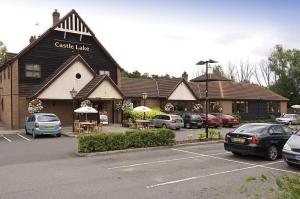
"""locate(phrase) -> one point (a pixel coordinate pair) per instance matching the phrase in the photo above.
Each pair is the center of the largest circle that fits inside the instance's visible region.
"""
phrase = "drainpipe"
(11, 97)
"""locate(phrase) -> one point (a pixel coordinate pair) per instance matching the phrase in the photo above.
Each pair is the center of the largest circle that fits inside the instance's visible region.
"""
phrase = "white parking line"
(6, 138)
(155, 162)
(162, 161)
(224, 172)
(23, 137)
(211, 156)
(197, 177)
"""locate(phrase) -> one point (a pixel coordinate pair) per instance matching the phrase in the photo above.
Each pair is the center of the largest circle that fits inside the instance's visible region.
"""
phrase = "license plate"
(238, 140)
(49, 126)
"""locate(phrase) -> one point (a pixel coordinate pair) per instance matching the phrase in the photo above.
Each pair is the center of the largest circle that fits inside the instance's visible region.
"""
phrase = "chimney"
(185, 76)
(56, 16)
(32, 39)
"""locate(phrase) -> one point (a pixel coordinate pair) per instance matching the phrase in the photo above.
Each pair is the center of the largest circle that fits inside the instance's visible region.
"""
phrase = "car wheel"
(272, 153)
(236, 153)
(164, 126)
(33, 134)
(26, 132)
(188, 125)
(58, 135)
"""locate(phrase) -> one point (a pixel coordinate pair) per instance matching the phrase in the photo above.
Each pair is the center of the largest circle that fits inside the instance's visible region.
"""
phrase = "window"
(274, 107)
(239, 107)
(104, 72)
(179, 106)
(214, 106)
(276, 130)
(78, 76)
(136, 102)
(33, 70)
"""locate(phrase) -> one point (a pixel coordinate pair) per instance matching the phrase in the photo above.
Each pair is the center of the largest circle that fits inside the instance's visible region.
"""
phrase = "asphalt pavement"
(47, 167)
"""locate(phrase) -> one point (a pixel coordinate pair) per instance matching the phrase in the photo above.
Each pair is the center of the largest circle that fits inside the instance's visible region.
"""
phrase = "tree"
(232, 72)
(218, 70)
(246, 72)
(2, 53)
(286, 66)
(263, 74)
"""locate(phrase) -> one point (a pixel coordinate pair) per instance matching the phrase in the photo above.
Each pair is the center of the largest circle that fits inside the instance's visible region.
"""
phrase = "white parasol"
(86, 110)
(295, 106)
(143, 109)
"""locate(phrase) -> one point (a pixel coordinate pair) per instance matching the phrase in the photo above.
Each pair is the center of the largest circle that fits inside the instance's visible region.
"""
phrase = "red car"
(211, 120)
(226, 120)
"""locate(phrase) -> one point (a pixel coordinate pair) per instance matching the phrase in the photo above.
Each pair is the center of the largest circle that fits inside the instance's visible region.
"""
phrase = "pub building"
(68, 58)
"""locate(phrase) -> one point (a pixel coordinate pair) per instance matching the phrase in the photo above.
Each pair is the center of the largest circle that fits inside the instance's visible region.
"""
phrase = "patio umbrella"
(142, 109)
(296, 106)
(86, 110)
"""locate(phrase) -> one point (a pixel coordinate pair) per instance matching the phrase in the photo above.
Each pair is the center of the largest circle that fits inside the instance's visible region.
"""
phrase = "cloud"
(233, 37)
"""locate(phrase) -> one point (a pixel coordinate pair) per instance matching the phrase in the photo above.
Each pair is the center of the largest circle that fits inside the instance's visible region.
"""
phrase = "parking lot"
(48, 167)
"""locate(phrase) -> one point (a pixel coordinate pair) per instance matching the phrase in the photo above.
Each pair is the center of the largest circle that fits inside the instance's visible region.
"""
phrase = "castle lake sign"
(71, 46)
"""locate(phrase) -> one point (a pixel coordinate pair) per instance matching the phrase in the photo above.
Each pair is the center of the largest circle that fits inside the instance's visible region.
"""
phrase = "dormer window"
(33, 70)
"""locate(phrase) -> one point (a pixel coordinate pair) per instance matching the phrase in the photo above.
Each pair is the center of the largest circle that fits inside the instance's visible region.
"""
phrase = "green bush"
(97, 142)
(139, 115)
(287, 187)
(212, 134)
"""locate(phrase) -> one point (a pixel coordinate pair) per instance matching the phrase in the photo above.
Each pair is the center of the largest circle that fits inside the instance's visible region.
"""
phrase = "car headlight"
(287, 147)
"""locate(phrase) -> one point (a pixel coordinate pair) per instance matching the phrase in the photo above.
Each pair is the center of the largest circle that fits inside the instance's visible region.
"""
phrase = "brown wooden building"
(69, 57)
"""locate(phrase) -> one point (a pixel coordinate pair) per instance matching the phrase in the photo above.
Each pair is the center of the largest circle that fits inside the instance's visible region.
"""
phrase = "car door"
(27, 124)
(154, 120)
(277, 136)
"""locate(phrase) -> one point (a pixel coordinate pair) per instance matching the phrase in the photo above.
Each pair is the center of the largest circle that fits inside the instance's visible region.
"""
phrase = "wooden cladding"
(73, 24)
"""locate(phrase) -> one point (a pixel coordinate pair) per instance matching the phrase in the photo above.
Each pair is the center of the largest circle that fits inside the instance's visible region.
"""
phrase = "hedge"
(97, 142)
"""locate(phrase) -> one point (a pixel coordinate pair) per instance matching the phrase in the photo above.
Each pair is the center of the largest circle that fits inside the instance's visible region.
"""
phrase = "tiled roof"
(167, 86)
(234, 91)
(211, 77)
(134, 87)
(90, 86)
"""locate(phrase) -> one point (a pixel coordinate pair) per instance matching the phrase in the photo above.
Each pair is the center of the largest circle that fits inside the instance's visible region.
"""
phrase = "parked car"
(291, 150)
(43, 124)
(288, 119)
(191, 120)
(226, 120)
(167, 121)
(258, 139)
(211, 120)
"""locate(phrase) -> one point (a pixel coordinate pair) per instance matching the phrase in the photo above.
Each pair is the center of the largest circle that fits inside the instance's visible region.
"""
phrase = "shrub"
(139, 115)
(287, 187)
(212, 134)
(97, 142)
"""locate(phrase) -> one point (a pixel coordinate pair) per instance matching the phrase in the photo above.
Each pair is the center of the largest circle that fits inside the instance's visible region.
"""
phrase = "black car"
(259, 139)
(291, 150)
(191, 120)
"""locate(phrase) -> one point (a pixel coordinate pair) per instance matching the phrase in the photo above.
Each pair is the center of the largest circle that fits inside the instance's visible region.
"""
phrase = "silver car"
(288, 119)
(43, 124)
(167, 121)
(291, 150)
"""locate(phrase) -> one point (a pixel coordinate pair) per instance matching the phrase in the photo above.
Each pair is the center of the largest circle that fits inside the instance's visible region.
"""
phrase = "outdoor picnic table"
(142, 123)
(88, 125)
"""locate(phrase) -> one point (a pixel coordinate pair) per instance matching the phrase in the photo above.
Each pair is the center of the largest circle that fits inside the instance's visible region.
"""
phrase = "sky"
(166, 36)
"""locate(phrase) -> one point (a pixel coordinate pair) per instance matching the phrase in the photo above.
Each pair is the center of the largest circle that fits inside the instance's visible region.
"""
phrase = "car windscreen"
(176, 117)
(195, 116)
(288, 116)
(47, 118)
(248, 128)
(228, 117)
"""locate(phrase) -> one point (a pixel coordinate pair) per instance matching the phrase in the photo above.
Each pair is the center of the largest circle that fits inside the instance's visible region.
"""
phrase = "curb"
(103, 153)
(68, 134)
